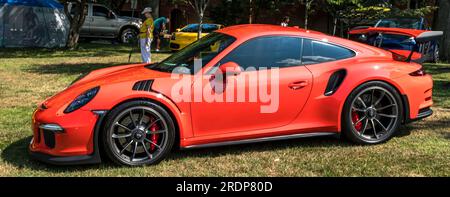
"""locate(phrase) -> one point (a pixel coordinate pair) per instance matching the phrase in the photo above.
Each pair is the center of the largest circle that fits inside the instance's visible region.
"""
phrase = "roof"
(241, 31)
(33, 3)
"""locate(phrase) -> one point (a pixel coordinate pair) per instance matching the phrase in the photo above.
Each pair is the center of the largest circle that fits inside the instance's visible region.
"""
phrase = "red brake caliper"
(154, 137)
(355, 118)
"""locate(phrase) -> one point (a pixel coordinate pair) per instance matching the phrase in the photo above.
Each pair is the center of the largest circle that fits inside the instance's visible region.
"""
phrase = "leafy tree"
(442, 23)
(199, 7)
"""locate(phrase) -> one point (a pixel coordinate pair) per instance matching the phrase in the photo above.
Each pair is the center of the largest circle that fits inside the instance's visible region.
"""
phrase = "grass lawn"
(29, 76)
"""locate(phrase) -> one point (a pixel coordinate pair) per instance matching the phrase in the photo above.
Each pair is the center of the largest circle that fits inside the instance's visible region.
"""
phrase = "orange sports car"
(241, 84)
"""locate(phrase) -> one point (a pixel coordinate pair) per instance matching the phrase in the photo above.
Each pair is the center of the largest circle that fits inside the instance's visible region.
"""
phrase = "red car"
(289, 82)
(399, 35)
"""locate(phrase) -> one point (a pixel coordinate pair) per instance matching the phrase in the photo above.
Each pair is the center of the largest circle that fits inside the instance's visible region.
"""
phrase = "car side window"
(100, 11)
(267, 52)
(315, 52)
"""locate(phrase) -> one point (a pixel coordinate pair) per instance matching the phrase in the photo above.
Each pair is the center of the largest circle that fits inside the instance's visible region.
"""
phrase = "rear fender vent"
(335, 81)
(145, 85)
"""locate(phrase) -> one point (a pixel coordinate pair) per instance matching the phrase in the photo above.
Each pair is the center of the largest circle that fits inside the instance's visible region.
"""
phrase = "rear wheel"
(436, 54)
(372, 113)
(138, 133)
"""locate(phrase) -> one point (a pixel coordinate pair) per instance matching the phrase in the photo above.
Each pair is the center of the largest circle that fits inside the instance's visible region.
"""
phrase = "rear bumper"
(423, 114)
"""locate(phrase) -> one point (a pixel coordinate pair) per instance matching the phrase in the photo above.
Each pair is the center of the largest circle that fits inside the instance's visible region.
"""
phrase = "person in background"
(285, 21)
(146, 35)
(160, 28)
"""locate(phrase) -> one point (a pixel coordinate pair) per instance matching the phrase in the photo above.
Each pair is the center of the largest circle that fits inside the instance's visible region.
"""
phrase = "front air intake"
(144, 85)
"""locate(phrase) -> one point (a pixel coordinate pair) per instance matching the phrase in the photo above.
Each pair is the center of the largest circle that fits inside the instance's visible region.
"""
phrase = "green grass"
(29, 76)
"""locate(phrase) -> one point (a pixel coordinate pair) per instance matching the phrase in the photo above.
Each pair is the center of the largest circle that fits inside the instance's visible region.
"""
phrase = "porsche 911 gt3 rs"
(318, 85)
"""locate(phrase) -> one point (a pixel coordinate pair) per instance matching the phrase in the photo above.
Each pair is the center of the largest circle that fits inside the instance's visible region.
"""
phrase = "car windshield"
(201, 52)
(405, 23)
(206, 28)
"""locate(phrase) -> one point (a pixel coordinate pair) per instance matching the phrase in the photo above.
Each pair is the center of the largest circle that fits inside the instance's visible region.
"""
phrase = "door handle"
(298, 84)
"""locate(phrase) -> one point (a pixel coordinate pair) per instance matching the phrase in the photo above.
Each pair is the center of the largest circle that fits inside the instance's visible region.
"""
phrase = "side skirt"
(263, 139)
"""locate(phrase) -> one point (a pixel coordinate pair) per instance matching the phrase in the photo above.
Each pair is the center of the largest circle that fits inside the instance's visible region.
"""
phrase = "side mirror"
(230, 69)
(219, 79)
(111, 15)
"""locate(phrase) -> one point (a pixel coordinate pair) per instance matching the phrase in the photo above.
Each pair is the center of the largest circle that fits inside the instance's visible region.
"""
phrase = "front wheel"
(127, 35)
(372, 113)
(138, 133)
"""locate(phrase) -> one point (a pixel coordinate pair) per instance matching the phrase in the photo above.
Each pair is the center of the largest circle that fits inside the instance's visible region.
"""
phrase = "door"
(270, 91)
(103, 22)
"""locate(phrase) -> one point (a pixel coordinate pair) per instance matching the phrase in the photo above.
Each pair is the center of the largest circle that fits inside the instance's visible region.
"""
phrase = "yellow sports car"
(188, 35)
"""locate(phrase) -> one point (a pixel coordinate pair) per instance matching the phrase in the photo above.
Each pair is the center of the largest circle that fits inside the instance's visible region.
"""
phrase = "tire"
(127, 34)
(436, 54)
(143, 138)
(372, 105)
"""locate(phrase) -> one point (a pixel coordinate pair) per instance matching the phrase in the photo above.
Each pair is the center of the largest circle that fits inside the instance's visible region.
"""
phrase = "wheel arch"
(171, 108)
(126, 27)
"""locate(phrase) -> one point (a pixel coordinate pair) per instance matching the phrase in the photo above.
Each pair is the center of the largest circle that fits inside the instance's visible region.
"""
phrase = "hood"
(119, 74)
(188, 35)
(129, 18)
(113, 75)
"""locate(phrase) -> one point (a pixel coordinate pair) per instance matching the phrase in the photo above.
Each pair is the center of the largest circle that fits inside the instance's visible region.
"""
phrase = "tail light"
(418, 73)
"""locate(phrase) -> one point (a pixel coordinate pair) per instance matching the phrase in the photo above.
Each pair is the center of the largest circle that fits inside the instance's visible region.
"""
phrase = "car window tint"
(100, 11)
(315, 52)
(268, 52)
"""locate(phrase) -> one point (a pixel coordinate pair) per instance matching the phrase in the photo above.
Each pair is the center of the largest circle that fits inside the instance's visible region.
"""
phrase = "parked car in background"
(188, 35)
(102, 22)
(395, 34)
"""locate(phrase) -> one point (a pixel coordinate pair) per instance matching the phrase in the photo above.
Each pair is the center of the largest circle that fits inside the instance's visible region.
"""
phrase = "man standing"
(160, 27)
(146, 35)
(285, 21)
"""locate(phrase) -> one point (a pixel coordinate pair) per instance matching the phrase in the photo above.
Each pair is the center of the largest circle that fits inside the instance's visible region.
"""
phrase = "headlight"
(82, 100)
(79, 78)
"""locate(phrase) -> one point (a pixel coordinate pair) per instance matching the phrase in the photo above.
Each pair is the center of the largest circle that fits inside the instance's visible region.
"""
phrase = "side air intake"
(334, 82)
(144, 85)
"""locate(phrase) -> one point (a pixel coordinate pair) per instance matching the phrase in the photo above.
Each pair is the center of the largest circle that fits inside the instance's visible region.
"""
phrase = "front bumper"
(66, 141)
(65, 160)
(176, 45)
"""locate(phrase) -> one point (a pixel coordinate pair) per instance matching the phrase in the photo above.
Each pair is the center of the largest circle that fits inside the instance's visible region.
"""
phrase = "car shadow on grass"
(83, 50)
(16, 153)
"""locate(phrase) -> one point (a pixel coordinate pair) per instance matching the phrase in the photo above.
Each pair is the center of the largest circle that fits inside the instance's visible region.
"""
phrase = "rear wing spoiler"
(429, 36)
(420, 36)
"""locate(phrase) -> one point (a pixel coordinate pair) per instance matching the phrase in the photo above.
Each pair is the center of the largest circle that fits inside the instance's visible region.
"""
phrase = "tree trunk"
(200, 23)
(76, 21)
(306, 15)
(442, 23)
(250, 16)
(334, 25)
